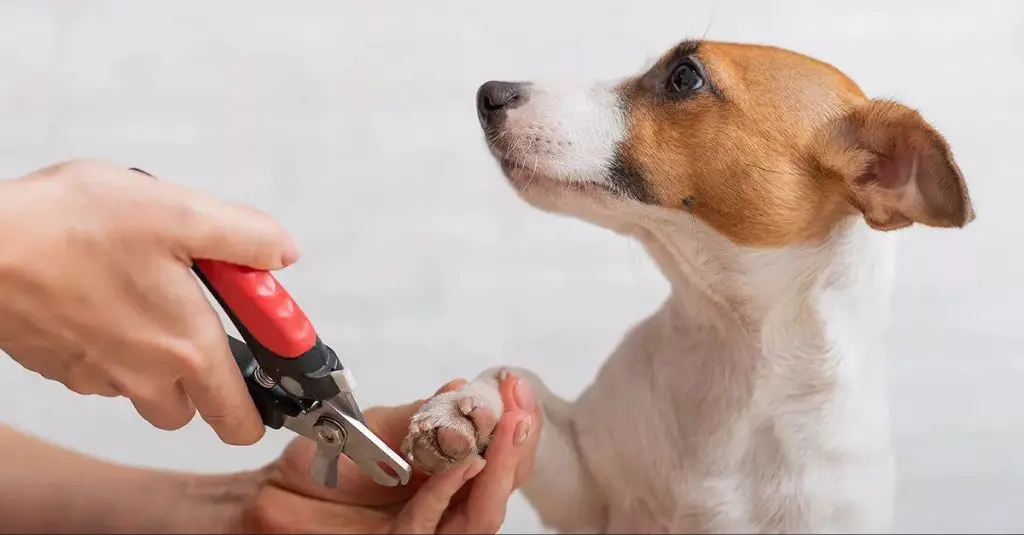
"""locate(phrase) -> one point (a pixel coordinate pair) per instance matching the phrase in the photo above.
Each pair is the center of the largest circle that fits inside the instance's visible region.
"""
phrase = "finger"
(202, 226)
(488, 499)
(517, 392)
(454, 384)
(167, 408)
(215, 385)
(424, 511)
(208, 228)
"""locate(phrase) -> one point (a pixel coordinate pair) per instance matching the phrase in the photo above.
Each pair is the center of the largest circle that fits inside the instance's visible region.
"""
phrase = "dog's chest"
(803, 468)
(776, 463)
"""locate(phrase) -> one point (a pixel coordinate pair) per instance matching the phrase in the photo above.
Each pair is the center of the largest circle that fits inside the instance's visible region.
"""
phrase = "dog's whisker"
(534, 173)
(711, 19)
(500, 135)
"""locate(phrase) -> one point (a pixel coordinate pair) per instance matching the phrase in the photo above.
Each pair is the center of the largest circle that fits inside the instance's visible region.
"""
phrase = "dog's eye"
(685, 79)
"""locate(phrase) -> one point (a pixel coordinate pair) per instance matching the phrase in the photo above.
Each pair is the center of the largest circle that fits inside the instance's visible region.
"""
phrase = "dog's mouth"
(518, 167)
(520, 174)
(524, 177)
(513, 166)
(527, 172)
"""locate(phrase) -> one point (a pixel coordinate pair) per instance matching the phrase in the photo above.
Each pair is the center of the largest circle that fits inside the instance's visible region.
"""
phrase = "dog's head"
(766, 147)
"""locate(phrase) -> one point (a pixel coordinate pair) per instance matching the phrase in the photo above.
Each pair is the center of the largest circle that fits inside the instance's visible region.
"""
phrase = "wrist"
(140, 500)
(49, 489)
(204, 503)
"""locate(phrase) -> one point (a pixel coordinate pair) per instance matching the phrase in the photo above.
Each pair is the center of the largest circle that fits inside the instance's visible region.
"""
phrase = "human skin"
(99, 294)
(49, 489)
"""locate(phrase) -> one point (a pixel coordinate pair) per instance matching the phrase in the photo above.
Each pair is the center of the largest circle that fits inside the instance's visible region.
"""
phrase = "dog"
(766, 187)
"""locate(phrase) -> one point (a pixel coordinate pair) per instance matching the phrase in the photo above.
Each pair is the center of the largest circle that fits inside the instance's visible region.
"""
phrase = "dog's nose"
(493, 99)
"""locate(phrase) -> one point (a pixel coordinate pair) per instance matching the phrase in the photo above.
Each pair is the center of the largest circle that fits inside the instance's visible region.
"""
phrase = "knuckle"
(232, 419)
(223, 415)
(230, 431)
(80, 172)
(188, 359)
(69, 168)
(175, 418)
(142, 390)
(139, 390)
(186, 220)
(87, 386)
(200, 357)
(163, 411)
(79, 387)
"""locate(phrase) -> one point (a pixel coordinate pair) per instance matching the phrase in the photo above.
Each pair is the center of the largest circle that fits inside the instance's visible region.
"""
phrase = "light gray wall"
(353, 122)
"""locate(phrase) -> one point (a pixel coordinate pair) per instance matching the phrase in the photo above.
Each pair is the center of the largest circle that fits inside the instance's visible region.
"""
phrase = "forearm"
(48, 489)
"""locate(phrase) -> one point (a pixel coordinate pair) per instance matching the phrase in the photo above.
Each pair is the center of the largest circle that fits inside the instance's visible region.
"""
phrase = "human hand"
(291, 502)
(98, 292)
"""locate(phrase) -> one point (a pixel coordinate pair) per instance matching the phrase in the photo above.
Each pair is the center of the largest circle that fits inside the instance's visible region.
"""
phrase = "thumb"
(424, 511)
(233, 233)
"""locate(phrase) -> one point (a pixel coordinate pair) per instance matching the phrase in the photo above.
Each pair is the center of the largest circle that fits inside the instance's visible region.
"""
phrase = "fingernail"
(524, 396)
(474, 469)
(522, 431)
(291, 253)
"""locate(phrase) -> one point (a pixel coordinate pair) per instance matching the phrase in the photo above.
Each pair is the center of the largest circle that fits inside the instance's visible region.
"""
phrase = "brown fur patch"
(778, 147)
(898, 168)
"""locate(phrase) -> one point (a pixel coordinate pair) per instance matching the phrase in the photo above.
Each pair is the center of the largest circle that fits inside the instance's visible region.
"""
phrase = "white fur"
(578, 142)
(751, 401)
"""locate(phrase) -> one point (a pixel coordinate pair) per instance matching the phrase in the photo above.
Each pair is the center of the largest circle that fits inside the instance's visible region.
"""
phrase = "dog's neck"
(797, 305)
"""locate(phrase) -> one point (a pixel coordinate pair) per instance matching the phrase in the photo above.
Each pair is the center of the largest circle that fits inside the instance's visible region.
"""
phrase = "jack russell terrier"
(765, 186)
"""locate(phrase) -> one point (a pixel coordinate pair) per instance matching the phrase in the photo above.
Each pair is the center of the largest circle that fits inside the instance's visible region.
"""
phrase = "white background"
(354, 123)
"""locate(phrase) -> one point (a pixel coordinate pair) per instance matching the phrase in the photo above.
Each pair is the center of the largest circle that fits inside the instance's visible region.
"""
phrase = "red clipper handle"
(276, 332)
(263, 306)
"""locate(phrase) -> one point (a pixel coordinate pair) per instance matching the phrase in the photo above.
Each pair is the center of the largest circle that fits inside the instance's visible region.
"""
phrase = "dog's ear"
(897, 168)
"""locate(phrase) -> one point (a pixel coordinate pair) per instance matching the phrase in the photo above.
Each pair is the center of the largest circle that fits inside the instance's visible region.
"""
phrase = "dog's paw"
(452, 426)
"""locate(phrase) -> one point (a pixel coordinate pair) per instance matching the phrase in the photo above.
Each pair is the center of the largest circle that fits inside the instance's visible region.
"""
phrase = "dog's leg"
(452, 425)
